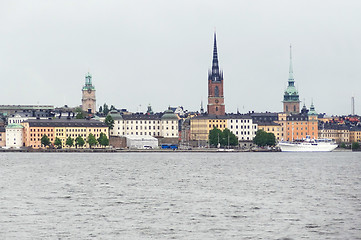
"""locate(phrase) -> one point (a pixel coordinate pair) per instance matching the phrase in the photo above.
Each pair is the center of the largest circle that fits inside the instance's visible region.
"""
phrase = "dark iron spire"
(215, 75)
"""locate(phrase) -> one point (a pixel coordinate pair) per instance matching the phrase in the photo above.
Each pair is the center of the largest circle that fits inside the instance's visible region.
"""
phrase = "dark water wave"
(180, 196)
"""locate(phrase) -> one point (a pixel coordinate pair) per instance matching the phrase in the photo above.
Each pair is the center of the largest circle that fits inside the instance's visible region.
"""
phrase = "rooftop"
(65, 123)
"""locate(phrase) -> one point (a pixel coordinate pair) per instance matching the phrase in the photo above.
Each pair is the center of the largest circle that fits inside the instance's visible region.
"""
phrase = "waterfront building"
(2, 137)
(291, 101)
(272, 127)
(355, 134)
(338, 133)
(298, 126)
(240, 125)
(215, 86)
(88, 96)
(14, 135)
(61, 128)
(156, 125)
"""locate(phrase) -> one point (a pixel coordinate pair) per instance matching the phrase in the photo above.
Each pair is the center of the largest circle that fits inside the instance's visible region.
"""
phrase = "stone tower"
(215, 86)
(88, 100)
(291, 100)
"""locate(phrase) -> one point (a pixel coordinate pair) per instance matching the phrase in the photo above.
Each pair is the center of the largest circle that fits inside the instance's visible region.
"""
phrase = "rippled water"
(180, 196)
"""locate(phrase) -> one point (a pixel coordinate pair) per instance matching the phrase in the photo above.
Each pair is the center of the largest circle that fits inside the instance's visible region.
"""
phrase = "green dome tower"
(291, 99)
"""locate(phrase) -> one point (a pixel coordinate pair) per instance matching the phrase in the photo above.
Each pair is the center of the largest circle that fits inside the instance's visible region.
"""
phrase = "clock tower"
(88, 100)
(215, 86)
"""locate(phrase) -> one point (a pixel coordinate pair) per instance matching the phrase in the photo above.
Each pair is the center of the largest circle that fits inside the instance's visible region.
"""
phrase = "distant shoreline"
(129, 151)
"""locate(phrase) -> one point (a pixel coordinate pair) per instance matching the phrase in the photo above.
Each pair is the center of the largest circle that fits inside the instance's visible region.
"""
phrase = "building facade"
(355, 134)
(215, 86)
(14, 136)
(62, 129)
(156, 125)
(2, 137)
(298, 126)
(88, 96)
(240, 125)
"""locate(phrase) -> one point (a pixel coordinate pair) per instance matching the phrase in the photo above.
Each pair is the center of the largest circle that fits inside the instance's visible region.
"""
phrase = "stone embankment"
(112, 150)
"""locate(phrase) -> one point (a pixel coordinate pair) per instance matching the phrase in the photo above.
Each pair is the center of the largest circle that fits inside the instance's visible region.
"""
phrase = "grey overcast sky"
(158, 52)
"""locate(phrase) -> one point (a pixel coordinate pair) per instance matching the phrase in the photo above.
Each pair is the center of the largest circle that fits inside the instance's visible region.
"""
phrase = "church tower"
(215, 86)
(291, 100)
(88, 100)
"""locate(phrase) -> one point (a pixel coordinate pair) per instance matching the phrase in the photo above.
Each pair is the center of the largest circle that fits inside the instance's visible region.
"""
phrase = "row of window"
(39, 139)
(245, 127)
(241, 121)
(40, 135)
(302, 128)
(148, 122)
(313, 123)
(41, 130)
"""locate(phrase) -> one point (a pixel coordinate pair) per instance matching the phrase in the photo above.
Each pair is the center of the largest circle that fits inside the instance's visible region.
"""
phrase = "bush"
(355, 146)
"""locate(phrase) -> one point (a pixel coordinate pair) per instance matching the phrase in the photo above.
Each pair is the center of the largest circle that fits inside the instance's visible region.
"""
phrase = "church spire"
(215, 74)
(291, 80)
(215, 54)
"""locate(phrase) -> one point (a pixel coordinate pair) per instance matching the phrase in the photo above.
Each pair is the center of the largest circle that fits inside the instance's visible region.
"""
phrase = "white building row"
(155, 125)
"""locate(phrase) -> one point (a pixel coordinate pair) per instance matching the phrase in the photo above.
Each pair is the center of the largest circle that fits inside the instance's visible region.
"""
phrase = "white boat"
(308, 145)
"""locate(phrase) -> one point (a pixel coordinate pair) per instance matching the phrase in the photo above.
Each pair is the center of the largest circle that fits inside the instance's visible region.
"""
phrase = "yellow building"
(355, 134)
(339, 133)
(272, 127)
(201, 125)
(62, 129)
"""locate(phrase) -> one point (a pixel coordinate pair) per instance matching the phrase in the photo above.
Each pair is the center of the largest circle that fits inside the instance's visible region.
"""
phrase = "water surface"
(180, 195)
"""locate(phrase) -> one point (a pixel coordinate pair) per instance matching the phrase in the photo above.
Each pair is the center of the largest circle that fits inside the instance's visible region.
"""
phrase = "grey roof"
(33, 113)
(228, 116)
(65, 123)
(169, 115)
(333, 126)
(265, 114)
(23, 107)
(2, 129)
(142, 117)
(115, 115)
(269, 123)
(297, 117)
(355, 128)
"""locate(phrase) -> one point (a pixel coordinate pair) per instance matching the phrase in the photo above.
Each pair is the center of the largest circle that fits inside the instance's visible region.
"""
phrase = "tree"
(91, 140)
(343, 145)
(45, 140)
(100, 109)
(79, 141)
(263, 138)
(79, 113)
(103, 140)
(105, 109)
(112, 108)
(229, 138)
(271, 139)
(58, 142)
(355, 146)
(215, 136)
(109, 121)
(69, 142)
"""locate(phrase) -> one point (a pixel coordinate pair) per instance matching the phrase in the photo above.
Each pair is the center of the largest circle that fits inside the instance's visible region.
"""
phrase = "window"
(216, 92)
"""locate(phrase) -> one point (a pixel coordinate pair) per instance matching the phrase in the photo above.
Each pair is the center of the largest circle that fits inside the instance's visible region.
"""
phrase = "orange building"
(2, 137)
(299, 126)
(61, 128)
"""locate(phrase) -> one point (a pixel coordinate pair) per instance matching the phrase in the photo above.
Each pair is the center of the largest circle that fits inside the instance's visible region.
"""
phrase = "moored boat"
(308, 145)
